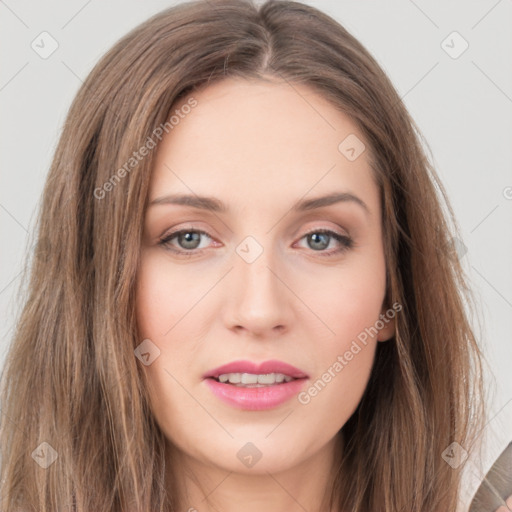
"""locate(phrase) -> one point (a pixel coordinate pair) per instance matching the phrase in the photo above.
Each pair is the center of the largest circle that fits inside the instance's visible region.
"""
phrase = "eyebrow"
(214, 205)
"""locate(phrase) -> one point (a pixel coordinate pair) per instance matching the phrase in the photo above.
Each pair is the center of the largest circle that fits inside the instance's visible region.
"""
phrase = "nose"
(259, 302)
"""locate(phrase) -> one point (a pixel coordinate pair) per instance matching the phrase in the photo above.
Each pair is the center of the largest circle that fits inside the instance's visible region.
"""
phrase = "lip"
(256, 398)
(271, 366)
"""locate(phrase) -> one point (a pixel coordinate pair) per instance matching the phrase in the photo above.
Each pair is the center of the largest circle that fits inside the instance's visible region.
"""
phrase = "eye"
(186, 240)
(320, 240)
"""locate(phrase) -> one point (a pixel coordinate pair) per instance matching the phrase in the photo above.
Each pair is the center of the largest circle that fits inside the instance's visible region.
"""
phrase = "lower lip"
(256, 399)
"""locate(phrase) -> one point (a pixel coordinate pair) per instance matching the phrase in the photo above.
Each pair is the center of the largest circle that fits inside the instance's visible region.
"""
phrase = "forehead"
(263, 140)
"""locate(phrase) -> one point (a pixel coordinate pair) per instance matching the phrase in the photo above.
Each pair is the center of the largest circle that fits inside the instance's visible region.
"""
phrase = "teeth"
(250, 378)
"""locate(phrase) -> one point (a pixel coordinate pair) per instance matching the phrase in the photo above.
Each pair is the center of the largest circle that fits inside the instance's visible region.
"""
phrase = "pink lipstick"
(255, 387)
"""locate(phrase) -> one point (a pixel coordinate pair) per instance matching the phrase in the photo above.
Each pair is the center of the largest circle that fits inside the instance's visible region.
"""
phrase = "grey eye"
(318, 241)
(189, 239)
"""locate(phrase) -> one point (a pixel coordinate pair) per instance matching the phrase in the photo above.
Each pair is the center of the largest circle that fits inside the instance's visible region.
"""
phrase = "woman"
(250, 294)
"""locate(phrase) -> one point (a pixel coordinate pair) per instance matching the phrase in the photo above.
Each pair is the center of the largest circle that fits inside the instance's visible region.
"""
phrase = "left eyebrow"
(215, 205)
(335, 197)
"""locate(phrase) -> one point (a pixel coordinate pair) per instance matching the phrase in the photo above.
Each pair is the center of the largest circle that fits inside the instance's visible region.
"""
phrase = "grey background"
(462, 105)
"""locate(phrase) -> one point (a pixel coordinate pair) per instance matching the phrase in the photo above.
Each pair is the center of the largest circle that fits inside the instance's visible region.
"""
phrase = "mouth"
(247, 373)
(251, 380)
(252, 386)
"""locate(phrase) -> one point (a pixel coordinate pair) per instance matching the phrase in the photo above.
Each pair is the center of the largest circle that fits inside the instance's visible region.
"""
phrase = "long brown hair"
(71, 379)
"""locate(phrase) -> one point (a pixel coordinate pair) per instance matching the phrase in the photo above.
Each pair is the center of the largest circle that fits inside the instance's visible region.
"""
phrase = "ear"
(386, 325)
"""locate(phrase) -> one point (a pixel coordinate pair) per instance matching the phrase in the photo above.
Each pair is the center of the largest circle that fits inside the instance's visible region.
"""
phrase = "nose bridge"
(259, 300)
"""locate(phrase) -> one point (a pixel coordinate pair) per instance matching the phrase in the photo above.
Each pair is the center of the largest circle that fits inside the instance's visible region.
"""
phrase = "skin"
(259, 148)
(508, 506)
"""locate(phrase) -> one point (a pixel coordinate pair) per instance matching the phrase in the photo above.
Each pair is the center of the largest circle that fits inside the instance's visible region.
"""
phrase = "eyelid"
(325, 230)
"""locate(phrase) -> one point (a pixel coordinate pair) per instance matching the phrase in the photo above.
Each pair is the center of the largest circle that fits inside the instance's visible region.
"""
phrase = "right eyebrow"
(203, 202)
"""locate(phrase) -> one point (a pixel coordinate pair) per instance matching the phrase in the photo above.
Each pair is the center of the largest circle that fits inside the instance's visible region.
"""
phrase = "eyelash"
(345, 241)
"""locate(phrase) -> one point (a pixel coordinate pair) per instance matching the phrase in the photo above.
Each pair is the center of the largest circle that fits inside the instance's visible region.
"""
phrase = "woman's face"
(279, 262)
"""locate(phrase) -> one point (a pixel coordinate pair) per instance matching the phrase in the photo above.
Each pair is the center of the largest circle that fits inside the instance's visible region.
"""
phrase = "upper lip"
(272, 366)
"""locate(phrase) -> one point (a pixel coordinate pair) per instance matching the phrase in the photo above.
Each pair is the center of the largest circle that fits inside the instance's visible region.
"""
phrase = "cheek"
(349, 301)
(163, 297)
(168, 312)
(344, 360)
(157, 311)
(333, 394)
(349, 305)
